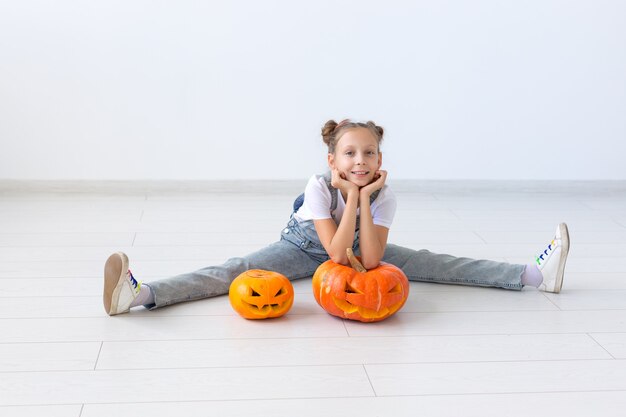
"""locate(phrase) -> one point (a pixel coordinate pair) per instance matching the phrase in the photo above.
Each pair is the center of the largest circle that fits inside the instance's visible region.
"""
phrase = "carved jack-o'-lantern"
(357, 294)
(259, 294)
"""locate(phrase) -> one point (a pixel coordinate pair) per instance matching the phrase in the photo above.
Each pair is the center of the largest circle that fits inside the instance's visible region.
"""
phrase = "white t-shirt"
(317, 201)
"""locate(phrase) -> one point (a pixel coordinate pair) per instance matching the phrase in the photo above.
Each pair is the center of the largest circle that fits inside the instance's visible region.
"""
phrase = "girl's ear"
(331, 161)
(380, 159)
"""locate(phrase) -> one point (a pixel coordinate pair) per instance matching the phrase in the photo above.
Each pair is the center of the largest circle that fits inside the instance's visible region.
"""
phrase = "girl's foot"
(120, 287)
(551, 262)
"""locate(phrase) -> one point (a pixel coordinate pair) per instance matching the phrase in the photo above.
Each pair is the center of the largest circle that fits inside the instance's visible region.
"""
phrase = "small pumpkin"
(260, 294)
(358, 294)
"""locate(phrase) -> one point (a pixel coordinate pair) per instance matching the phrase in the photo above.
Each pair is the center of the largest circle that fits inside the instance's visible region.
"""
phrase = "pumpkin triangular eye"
(280, 292)
(254, 293)
(351, 290)
(396, 289)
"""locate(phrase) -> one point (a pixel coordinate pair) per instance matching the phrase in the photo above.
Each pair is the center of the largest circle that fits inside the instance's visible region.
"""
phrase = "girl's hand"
(377, 183)
(338, 180)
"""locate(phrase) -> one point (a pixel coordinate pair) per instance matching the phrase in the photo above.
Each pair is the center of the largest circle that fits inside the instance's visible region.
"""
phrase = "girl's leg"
(122, 291)
(422, 265)
(283, 257)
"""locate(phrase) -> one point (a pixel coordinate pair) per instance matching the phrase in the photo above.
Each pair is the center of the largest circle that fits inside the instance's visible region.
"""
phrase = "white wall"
(138, 89)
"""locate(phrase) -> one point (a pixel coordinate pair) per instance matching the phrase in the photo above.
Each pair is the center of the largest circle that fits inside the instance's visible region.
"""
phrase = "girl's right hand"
(338, 180)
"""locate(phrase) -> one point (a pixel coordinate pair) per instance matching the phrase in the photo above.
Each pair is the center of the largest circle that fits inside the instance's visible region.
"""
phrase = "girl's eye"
(349, 153)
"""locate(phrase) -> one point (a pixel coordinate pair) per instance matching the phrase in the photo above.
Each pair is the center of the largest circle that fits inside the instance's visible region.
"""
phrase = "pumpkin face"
(365, 296)
(259, 294)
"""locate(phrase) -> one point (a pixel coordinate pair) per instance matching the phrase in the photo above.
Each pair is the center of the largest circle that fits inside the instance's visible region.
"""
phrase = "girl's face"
(356, 156)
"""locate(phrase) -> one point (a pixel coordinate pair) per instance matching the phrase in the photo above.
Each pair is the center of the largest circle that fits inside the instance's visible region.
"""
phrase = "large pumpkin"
(259, 294)
(357, 294)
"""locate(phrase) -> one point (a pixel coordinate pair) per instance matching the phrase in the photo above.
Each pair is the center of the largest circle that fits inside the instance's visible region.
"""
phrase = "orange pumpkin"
(357, 294)
(259, 294)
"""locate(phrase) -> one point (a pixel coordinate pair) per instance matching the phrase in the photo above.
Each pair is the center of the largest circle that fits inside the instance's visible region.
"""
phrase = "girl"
(349, 207)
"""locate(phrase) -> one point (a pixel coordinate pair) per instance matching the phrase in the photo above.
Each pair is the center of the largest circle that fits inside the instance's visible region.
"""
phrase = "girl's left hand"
(377, 183)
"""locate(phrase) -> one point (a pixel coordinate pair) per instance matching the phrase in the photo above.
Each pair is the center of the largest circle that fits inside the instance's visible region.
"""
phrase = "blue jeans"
(299, 252)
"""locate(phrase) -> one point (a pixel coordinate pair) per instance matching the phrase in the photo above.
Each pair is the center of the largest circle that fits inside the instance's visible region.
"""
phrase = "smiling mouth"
(360, 172)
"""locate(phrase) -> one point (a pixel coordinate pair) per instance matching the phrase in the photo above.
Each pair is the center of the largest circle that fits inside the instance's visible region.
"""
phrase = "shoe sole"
(115, 270)
(564, 250)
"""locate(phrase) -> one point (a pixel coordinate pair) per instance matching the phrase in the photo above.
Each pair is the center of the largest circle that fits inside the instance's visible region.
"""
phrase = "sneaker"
(551, 262)
(120, 287)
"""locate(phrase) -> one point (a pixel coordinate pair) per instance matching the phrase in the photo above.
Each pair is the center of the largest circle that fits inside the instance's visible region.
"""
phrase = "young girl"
(349, 207)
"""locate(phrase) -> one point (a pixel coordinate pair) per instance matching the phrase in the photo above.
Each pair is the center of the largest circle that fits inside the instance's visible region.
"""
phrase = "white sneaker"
(120, 287)
(551, 262)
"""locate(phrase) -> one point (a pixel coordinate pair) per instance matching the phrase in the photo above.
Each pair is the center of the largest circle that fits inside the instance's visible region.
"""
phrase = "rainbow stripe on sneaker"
(542, 257)
(136, 284)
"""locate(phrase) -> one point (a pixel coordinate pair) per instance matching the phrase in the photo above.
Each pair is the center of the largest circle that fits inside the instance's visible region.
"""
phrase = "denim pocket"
(307, 230)
(305, 237)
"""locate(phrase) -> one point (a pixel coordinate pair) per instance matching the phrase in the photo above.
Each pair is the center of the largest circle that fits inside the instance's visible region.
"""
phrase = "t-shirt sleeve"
(384, 208)
(317, 199)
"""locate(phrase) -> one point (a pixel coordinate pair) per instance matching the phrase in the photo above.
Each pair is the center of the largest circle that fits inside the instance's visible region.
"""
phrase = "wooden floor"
(451, 351)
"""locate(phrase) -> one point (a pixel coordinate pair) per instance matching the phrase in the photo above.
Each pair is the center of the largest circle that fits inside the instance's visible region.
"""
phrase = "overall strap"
(333, 190)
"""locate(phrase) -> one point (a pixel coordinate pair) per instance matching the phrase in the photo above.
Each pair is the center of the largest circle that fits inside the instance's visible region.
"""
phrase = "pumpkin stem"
(354, 261)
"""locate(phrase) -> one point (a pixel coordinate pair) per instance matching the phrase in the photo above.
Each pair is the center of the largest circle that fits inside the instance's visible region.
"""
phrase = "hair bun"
(379, 129)
(327, 131)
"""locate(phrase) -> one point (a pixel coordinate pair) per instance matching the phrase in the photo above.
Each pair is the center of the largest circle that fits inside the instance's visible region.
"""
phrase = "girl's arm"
(372, 238)
(336, 239)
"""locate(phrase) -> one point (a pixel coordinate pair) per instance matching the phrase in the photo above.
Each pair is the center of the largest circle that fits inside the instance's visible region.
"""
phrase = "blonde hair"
(332, 131)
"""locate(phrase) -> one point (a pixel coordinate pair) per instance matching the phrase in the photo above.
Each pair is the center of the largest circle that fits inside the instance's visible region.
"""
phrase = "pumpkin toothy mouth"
(366, 313)
(262, 309)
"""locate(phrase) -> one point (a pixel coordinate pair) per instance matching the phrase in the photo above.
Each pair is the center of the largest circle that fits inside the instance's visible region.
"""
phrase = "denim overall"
(299, 253)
